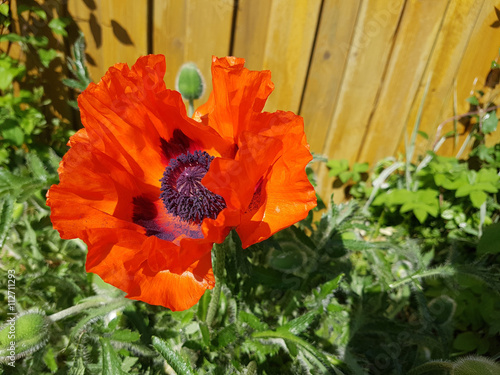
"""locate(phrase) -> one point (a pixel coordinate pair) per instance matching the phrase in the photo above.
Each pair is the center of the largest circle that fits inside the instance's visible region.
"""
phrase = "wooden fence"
(356, 70)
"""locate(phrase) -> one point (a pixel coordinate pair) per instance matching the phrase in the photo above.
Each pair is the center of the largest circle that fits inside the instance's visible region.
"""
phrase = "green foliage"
(340, 169)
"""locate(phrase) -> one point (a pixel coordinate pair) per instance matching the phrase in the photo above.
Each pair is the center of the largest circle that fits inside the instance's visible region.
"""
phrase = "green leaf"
(423, 134)
(337, 166)
(289, 258)
(36, 166)
(490, 122)
(294, 340)
(58, 25)
(467, 341)
(4, 9)
(49, 359)
(176, 361)
(477, 198)
(299, 324)
(111, 363)
(74, 84)
(13, 38)
(252, 321)
(38, 41)
(227, 335)
(34, 9)
(12, 132)
(328, 287)
(125, 335)
(46, 56)
(205, 333)
(6, 217)
(360, 167)
(473, 100)
(490, 240)
(9, 70)
(77, 368)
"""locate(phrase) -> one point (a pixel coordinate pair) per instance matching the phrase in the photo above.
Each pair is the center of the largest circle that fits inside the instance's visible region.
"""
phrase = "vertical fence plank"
(192, 30)
(328, 64)
(481, 50)
(407, 64)
(459, 21)
(367, 60)
(283, 43)
(115, 30)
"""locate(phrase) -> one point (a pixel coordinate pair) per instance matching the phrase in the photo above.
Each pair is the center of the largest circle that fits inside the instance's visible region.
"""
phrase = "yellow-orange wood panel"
(192, 30)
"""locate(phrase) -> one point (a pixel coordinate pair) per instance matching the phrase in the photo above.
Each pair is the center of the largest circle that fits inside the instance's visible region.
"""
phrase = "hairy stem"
(219, 266)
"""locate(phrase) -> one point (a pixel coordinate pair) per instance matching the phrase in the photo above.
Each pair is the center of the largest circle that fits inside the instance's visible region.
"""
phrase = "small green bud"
(22, 335)
(476, 366)
(190, 82)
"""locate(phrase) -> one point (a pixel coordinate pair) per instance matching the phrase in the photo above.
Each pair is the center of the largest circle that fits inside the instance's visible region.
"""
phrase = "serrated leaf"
(125, 335)
(74, 84)
(77, 368)
(307, 348)
(299, 324)
(128, 363)
(328, 287)
(96, 314)
(176, 361)
(36, 166)
(6, 217)
(252, 321)
(49, 359)
(111, 363)
(227, 335)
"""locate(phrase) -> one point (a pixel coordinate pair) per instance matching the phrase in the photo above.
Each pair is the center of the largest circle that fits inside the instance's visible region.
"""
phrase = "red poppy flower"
(150, 190)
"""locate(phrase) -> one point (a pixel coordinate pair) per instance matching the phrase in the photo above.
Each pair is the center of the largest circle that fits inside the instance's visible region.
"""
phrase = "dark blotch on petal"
(175, 146)
(144, 214)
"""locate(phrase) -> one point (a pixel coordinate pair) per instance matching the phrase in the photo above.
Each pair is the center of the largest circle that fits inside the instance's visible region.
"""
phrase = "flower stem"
(213, 306)
(191, 108)
(73, 310)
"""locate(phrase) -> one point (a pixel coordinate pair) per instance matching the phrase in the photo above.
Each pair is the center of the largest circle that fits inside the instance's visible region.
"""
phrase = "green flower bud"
(22, 335)
(190, 82)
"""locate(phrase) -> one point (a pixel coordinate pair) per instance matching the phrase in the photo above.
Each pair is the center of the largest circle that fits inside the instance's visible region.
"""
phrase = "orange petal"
(286, 195)
(238, 95)
(121, 258)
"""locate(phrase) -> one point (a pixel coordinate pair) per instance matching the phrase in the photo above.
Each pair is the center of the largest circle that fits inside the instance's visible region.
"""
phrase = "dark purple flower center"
(183, 194)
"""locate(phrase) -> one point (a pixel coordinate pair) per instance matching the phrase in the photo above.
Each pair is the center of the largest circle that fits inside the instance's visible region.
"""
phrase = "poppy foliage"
(150, 190)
